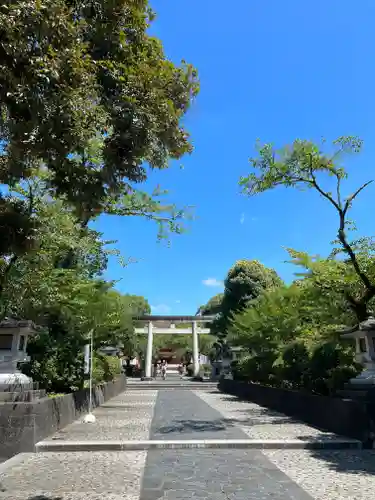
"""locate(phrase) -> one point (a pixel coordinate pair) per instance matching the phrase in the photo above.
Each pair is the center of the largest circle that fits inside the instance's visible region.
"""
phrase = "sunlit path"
(179, 419)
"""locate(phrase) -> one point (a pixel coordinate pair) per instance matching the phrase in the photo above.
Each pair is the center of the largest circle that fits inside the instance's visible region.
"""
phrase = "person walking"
(164, 369)
(181, 370)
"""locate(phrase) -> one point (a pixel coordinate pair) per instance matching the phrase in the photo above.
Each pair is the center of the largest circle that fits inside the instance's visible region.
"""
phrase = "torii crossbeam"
(153, 326)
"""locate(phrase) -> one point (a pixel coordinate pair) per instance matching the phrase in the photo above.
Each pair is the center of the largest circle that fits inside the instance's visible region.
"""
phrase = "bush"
(331, 365)
(56, 357)
(340, 375)
(206, 369)
(293, 365)
(105, 368)
(236, 372)
(258, 368)
(323, 371)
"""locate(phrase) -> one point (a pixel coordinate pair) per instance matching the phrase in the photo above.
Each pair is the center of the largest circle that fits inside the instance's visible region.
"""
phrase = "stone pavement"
(176, 474)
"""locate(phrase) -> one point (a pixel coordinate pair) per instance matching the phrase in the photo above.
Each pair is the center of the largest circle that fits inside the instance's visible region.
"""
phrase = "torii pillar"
(150, 341)
(196, 366)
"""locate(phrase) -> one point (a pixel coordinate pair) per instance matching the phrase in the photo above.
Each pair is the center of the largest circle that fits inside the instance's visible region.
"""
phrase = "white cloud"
(160, 309)
(242, 218)
(254, 219)
(212, 282)
(178, 301)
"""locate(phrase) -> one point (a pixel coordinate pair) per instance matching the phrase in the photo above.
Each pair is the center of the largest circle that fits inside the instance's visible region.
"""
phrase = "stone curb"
(146, 386)
(169, 388)
(11, 462)
(254, 444)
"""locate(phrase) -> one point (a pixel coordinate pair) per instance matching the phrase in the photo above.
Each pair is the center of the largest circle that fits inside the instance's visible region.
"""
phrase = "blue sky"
(274, 70)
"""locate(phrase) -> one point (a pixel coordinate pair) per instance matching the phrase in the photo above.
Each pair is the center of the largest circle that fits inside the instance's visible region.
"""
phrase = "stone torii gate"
(150, 329)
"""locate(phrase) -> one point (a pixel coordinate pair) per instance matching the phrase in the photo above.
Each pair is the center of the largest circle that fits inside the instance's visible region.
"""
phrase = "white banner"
(86, 351)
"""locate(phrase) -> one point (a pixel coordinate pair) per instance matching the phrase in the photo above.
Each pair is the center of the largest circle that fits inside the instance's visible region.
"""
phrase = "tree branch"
(347, 247)
(320, 190)
(370, 288)
(338, 190)
(353, 196)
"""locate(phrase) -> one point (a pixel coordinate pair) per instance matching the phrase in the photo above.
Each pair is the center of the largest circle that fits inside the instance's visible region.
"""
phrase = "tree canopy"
(302, 165)
(245, 280)
(89, 106)
(88, 94)
(212, 307)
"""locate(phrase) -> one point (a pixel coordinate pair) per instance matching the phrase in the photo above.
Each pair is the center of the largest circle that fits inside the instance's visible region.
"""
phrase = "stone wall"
(346, 417)
(24, 423)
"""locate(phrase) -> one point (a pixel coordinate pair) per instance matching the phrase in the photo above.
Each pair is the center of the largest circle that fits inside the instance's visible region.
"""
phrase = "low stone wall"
(22, 395)
(24, 423)
(346, 417)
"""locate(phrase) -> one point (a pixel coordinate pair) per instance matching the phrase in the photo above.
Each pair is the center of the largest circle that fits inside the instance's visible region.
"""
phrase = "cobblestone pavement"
(186, 416)
(215, 475)
(179, 474)
(207, 474)
(329, 475)
(261, 423)
(75, 476)
(125, 417)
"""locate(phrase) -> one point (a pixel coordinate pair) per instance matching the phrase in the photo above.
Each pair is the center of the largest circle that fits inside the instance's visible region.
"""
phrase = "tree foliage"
(73, 70)
(89, 105)
(302, 165)
(212, 307)
(245, 281)
(57, 356)
(88, 94)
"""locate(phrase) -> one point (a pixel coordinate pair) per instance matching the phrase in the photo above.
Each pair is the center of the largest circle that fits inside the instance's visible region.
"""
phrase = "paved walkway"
(185, 473)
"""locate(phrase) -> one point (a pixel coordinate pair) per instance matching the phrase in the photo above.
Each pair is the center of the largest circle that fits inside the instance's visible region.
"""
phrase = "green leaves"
(245, 281)
(302, 165)
(213, 306)
(88, 94)
(296, 165)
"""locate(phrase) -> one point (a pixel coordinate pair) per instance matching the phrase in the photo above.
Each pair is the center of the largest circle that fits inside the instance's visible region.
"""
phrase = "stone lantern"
(14, 336)
(364, 336)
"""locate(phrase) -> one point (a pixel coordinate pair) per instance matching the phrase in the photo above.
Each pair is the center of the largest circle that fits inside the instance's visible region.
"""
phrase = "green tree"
(272, 319)
(325, 285)
(63, 256)
(302, 165)
(212, 307)
(77, 72)
(245, 282)
(57, 356)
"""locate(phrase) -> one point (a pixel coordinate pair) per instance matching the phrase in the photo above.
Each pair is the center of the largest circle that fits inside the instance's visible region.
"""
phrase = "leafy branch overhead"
(302, 165)
(168, 217)
(88, 95)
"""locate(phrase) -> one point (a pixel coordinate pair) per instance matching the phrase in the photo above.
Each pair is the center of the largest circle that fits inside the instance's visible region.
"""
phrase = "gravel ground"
(329, 475)
(125, 417)
(75, 476)
(259, 422)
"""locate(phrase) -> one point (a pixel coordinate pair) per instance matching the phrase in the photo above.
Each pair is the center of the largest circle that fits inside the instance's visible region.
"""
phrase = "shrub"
(236, 372)
(293, 365)
(206, 369)
(258, 368)
(56, 357)
(331, 365)
(340, 375)
(105, 368)
(323, 371)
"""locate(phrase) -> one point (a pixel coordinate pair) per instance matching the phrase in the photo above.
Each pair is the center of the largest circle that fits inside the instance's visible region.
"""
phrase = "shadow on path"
(43, 497)
(190, 425)
(347, 461)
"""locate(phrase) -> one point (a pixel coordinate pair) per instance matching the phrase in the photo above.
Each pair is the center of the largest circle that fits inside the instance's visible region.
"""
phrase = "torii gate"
(171, 329)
